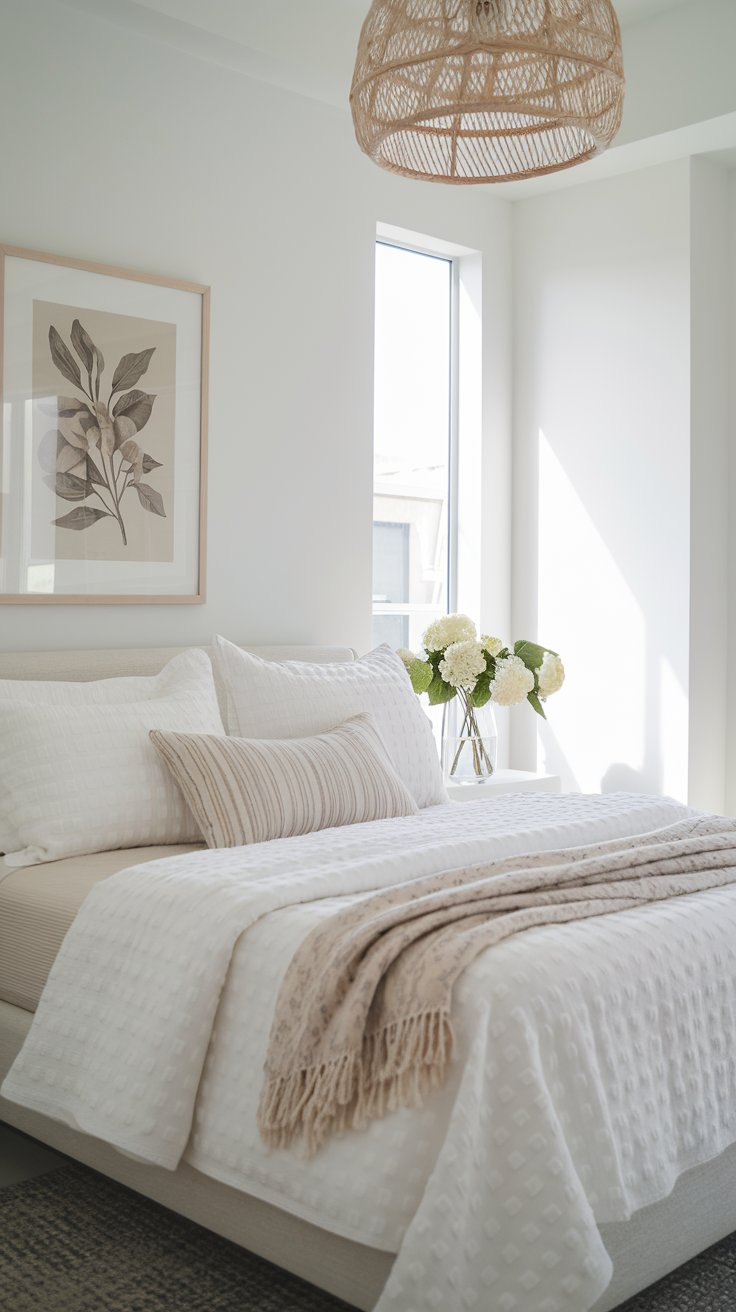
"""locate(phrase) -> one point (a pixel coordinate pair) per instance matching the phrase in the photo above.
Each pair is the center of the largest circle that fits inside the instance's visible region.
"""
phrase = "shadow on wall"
(622, 778)
(619, 777)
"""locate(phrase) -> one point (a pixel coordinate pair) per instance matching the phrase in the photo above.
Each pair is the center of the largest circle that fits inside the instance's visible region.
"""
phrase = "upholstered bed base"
(700, 1210)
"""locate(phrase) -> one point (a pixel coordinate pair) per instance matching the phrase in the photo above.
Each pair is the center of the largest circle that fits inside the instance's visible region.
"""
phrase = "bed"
(36, 908)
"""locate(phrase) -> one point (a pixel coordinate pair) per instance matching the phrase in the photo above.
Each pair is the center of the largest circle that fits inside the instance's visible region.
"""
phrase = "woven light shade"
(487, 90)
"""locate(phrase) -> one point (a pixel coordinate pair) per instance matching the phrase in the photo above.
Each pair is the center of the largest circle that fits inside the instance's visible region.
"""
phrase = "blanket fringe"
(398, 1066)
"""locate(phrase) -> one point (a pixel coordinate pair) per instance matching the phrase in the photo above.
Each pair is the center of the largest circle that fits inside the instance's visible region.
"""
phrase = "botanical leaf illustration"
(136, 407)
(131, 368)
(107, 435)
(93, 474)
(100, 367)
(69, 458)
(69, 486)
(63, 358)
(71, 429)
(150, 499)
(71, 405)
(123, 429)
(93, 452)
(131, 452)
(81, 517)
(83, 345)
(49, 448)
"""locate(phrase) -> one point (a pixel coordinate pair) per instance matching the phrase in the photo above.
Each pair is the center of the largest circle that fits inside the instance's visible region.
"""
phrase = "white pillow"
(56, 692)
(85, 778)
(295, 699)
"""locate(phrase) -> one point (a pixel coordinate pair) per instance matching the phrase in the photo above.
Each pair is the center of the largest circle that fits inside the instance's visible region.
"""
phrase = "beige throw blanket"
(363, 1023)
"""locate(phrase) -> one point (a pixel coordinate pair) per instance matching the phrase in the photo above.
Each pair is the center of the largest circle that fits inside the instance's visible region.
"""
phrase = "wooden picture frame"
(93, 509)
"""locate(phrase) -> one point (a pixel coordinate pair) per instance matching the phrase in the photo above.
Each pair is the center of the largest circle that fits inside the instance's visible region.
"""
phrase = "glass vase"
(469, 742)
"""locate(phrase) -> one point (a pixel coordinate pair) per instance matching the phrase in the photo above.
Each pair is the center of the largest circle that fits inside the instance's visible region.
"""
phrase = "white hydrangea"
(551, 674)
(492, 645)
(448, 629)
(512, 681)
(406, 656)
(462, 663)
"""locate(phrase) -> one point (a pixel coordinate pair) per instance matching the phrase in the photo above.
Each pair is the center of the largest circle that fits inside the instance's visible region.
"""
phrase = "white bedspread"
(595, 1061)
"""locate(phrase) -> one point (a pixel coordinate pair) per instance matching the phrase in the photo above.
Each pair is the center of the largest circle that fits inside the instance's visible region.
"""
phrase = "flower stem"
(470, 739)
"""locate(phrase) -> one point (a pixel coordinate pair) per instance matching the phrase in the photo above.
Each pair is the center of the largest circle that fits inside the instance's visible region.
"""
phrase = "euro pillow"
(53, 692)
(295, 699)
(245, 790)
(85, 778)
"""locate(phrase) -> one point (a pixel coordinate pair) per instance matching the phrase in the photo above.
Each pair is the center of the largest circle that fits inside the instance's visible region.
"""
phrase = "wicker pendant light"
(487, 90)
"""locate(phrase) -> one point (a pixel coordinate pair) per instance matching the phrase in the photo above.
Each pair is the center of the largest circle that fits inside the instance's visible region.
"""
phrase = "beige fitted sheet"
(39, 903)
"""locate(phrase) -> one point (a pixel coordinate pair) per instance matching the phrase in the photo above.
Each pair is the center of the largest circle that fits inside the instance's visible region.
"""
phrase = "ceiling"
(632, 11)
(305, 47)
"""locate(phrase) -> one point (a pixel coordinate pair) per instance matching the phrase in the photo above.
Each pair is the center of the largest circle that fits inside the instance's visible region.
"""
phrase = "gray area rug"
(73, 1241)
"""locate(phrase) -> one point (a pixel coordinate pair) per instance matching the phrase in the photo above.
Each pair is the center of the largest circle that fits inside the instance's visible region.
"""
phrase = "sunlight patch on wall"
(596, 736)
(673, 733)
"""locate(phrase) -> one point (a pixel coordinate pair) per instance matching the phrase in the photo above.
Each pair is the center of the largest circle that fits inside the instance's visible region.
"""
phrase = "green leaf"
(63, 358)
(150, 499)
(421, 675)
(68, 486)
(535, 702)
(482, 690)
(531, 653)
(135, 406)
(439, 691)
(131, 368)
(81, 517)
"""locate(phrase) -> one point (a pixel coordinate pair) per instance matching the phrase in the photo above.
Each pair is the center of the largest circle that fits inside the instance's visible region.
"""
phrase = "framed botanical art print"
(103, 444)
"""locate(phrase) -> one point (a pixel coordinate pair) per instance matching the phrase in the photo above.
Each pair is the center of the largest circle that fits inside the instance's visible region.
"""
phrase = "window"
(413, 515)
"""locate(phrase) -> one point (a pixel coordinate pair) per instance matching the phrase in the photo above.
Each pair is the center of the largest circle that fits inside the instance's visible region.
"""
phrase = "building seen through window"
(412, 429)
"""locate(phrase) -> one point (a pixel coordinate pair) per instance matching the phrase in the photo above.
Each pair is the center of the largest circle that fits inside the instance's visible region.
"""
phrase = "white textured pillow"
(295, 699)
(85, 778)
(95, 692)
(246, 790)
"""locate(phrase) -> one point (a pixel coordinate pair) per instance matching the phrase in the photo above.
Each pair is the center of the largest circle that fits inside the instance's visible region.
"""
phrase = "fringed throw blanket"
(363, 1021)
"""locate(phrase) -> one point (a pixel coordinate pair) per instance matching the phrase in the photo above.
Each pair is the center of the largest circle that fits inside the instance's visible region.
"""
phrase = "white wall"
(125, 151)
(730, 709)
(710, 332)
(602, 462)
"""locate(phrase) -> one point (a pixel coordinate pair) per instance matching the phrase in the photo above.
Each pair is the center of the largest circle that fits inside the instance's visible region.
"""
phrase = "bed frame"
(700, 1210)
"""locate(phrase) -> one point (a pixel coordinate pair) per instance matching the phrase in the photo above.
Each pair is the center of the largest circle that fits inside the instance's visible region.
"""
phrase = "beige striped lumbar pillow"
(248, 790)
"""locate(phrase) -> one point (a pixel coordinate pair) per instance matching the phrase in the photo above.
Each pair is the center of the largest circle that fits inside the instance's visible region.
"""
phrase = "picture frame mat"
(106, 287)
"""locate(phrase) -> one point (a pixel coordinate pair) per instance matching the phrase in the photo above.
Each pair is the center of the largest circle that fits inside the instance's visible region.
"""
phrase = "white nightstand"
(505, 781)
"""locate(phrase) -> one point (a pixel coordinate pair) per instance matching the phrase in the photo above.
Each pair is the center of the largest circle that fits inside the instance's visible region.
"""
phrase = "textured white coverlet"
(595, 1061)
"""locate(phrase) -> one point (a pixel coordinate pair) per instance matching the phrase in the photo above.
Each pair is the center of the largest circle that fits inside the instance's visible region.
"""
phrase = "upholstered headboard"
(82, 666)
